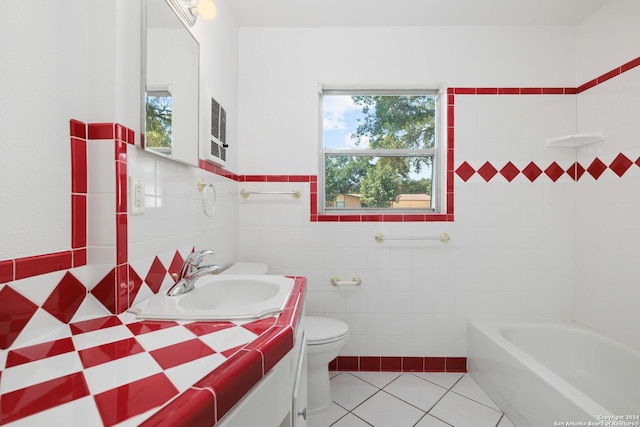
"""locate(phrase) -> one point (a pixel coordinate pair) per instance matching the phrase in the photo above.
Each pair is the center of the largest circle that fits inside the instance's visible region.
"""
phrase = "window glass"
(380, 150)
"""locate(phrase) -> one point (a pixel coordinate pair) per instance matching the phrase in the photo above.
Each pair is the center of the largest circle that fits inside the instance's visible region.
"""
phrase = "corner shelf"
(576, 140)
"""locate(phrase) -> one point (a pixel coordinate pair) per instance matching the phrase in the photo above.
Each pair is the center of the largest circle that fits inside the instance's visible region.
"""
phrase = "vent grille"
(218, 151)
(223, 127)
(215, 118)
(218, 143)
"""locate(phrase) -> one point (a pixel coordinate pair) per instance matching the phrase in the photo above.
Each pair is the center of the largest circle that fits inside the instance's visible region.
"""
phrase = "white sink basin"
(221, 298)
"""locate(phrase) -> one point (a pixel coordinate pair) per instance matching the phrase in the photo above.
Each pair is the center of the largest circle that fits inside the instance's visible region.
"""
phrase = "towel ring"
(202, 187)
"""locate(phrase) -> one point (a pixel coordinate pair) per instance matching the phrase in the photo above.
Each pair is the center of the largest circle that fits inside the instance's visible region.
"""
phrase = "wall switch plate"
(136, 195)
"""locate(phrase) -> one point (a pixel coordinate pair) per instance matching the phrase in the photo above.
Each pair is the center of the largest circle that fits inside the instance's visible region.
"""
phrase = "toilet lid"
(323, 329)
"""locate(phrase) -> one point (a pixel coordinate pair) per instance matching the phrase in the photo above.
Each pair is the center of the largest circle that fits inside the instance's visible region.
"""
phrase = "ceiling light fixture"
(205, 8)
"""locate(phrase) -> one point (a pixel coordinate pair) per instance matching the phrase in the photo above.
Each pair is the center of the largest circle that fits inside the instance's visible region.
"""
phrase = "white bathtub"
(555, 373)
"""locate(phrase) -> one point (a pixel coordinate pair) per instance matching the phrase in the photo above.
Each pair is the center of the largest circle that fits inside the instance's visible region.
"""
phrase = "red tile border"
(42, 264)
(194, 407)
(233, 379)
(398, 364)
(6, 271)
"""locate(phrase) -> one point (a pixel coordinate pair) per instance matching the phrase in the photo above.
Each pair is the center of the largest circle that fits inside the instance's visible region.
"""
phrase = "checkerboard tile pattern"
(114, 369)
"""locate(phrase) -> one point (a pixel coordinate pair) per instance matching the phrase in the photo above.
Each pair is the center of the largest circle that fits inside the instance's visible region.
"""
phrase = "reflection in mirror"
(159, 107)
(170, 78)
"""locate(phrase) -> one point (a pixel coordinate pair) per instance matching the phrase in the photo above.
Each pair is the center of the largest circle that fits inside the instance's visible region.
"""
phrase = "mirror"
(170, 82)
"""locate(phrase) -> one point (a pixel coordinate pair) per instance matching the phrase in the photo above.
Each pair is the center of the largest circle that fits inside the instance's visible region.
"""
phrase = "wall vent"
(218, 139)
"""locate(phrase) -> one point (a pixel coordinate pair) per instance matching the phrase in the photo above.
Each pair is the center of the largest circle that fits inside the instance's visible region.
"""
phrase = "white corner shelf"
(576, 140)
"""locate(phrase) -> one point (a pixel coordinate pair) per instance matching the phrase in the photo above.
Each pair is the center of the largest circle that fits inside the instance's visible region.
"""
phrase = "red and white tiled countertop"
(120, 370)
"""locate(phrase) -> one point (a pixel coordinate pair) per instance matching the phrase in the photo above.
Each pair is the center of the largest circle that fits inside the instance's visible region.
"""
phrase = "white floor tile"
(429, 421)
(328, 417)
(416, 391)
(462, 412)
(351, 421)
(469, 388)
(384, 410)
(378, 379)
(451, 399)
(505, 422)
(444, 379)
(349, 391)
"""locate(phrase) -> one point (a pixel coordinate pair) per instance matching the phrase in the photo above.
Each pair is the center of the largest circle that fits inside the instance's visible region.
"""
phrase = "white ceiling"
(374, 13)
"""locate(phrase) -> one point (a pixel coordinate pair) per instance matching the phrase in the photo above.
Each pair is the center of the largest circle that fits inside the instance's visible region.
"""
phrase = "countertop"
(118, 370)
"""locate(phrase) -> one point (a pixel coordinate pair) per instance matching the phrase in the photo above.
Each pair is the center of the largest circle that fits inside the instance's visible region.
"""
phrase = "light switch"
(136, 195)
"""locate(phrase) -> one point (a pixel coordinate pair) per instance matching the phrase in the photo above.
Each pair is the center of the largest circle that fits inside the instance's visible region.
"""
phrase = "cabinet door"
(299, 408)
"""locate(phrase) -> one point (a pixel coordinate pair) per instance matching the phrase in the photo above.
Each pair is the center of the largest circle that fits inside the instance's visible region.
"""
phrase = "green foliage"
(343, 175)
(380, 187)
(158, 124)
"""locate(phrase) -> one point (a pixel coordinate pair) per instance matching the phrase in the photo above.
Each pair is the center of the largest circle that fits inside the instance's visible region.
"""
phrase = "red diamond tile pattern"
(487, 171)
(532, 171)
(465, 171)
(509, 171)
(554, 171)
(575, 171)
(596, 168)
(15, 313)
(66, 298)
(105, 291)
(176, 264)
(135, 282)
(156, 275)
(620, 164)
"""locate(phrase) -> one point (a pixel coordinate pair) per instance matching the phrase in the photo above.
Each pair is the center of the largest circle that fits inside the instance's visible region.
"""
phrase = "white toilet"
(325, 339)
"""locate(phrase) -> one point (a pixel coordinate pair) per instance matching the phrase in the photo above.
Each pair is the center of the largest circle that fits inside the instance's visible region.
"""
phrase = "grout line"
(382, 389)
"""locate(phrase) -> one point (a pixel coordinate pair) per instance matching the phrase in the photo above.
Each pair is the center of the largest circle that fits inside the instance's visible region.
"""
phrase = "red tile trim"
(78, 221)
(42, 264)
(233, 379)
(399, 364)
(194, 407)
(6, 271)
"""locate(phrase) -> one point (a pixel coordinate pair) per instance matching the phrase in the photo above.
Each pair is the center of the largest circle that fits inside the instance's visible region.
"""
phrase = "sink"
(221, 298)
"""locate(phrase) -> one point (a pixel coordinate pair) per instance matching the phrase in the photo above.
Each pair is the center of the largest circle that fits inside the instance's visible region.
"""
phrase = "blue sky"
(339, 120)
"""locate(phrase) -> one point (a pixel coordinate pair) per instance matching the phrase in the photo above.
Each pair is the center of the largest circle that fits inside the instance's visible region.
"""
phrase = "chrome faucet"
(192, 271)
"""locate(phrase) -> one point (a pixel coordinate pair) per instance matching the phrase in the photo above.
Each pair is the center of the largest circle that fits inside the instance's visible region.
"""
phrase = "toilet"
(325, 339)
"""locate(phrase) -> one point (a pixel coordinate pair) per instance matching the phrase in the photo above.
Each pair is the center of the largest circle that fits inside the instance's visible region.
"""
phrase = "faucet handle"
(195, 258)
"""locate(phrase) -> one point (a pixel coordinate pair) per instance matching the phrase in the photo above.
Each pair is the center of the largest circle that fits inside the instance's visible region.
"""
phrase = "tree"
(158, 125)
(380, 187)
(396, 122)
(343, 175)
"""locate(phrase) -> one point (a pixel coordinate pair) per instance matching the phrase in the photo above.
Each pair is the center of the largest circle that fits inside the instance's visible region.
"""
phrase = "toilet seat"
(322, 330)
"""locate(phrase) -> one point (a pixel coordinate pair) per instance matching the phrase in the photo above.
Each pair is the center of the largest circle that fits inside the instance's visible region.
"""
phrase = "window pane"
(362, 182)
(379, 121)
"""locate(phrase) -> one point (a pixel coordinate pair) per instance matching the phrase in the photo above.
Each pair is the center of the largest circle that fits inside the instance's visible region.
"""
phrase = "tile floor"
(394, 399)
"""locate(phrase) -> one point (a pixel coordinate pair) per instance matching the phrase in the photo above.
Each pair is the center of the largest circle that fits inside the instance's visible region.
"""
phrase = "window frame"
(438, 181)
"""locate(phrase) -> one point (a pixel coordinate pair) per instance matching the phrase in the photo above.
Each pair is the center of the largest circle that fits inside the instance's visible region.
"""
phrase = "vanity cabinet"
(280, 398)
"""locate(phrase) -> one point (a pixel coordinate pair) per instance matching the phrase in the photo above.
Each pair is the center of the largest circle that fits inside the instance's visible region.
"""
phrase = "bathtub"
(555, 373)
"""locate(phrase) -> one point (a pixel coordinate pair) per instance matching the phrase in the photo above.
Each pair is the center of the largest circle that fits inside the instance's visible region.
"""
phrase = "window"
(380, 151)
